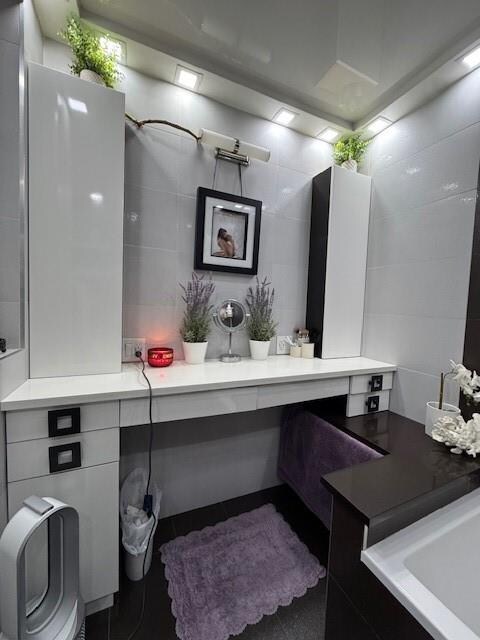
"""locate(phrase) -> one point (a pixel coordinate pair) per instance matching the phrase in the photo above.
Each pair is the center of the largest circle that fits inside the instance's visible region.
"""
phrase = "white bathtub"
(433, 568)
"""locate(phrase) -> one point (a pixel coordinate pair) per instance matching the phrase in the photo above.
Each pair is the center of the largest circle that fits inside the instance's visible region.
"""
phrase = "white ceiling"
(336, 61)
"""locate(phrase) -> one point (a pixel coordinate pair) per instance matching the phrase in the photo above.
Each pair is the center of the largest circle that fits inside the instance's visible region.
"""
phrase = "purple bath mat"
(225, 577)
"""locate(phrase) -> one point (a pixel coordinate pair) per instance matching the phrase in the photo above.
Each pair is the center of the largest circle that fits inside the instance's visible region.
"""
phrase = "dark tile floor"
(302, 620)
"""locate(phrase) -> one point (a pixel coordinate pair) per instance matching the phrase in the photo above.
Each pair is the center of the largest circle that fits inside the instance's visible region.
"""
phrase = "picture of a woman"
(226, 243)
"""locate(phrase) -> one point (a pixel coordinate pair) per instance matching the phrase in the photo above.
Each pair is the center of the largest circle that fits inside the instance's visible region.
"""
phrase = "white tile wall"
(10, 227)
(164, 170)
(424, 190)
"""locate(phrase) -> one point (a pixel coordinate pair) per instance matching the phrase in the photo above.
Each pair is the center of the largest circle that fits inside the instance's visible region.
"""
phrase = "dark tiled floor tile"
(305, 617)
(269, 628)
(165, 531)
(198, 519)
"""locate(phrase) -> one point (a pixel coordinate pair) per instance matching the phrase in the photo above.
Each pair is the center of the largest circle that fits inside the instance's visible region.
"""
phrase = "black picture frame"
(248, 265)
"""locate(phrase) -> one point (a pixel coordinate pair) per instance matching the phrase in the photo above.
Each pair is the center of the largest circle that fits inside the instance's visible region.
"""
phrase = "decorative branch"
(142, 123)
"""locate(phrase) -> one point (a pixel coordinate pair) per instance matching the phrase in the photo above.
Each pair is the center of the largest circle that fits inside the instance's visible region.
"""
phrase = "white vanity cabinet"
(72, 454)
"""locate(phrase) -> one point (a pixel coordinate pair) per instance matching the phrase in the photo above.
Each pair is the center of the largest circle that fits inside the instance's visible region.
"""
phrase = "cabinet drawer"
(32, 459)
(357, 404)
(371, 383)
(33, 423)
(94, 493)
(188, 405)
(290, 392)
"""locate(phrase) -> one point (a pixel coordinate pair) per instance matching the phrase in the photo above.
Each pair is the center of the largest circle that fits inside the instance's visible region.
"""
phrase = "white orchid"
(459, 435)
(468, 382)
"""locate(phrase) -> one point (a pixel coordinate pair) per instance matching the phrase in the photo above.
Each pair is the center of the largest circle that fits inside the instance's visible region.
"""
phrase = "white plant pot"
(259, 349)
(91, 76)
(351, 165)
(195, 352)
(434, 413)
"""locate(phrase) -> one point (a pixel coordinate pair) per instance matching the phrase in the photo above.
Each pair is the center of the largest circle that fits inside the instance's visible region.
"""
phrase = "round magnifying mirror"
(230, 316)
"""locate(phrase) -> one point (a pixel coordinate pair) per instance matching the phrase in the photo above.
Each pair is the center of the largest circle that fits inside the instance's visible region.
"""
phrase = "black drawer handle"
(64, 457)
(376, 383)
(64, 422)
(372, 404)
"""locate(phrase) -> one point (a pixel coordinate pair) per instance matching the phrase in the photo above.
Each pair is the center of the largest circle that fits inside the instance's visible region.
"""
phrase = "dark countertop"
(415, 471)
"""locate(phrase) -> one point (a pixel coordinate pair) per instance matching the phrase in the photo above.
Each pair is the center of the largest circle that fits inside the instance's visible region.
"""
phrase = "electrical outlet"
(283, 345)
(130, 346)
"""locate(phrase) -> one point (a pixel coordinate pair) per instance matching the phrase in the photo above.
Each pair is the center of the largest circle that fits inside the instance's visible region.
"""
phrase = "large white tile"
(9, 130)
(290, 285)
(10, 323)
(436, 288)
(147, 98)
(443, 229)
(196, 167)
(151, 218)
(158, 324)
(10, 21)
(294, 194)
(152, 158)
(412, 390)
(452, 111)
(301, 153)
(421, 343)
(442, 170)
(149, 276)
(186, 212)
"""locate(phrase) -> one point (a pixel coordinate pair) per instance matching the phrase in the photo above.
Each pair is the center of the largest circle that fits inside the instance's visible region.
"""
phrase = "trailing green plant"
(259, 300)
(351, 146)
(197, 317)
(88, 52)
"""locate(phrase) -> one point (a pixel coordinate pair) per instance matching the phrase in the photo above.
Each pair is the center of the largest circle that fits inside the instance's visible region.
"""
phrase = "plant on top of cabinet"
(261, 326)
(349, 150)
(90, 60)
(197, 318)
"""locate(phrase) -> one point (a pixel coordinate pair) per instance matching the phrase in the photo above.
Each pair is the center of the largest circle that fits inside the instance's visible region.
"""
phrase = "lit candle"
(160, 356)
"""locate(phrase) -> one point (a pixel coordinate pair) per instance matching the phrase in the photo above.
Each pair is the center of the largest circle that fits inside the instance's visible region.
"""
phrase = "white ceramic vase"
(259, 349)
(434, 413)
(195, 352)
(351, 165)
(91, 76)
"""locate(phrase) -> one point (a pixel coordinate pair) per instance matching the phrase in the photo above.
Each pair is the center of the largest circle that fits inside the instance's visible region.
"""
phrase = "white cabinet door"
(76, 176)
(94, 493)
(346, 264)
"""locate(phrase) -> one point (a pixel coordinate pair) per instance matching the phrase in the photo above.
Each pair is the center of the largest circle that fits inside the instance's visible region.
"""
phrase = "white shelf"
(182, 378)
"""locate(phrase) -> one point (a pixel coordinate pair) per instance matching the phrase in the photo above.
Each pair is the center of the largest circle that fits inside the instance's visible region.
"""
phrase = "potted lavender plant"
(260, 323)
(197, 317)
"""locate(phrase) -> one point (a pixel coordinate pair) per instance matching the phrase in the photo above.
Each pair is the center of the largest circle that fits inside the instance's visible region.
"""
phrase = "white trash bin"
(136, 528)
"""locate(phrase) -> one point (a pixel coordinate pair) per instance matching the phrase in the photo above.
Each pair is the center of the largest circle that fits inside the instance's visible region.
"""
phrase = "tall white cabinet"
(338, 261)
(76, 185)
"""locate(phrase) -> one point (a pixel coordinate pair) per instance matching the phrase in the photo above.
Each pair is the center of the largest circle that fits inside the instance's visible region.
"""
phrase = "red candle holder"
(160, 356)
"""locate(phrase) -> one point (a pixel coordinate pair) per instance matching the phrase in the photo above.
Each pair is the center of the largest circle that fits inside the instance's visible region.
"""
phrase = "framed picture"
(227, 232)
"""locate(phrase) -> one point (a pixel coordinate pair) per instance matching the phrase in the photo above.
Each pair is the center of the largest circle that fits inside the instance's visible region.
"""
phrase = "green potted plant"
(350, 149)
(261, 326)
(90, 61)
(197, 317)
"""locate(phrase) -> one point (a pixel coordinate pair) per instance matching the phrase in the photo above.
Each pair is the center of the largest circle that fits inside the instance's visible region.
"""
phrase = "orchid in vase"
(453, 431)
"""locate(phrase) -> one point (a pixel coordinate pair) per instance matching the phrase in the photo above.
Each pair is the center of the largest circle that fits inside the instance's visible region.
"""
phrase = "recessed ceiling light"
(114, 47)
(284, 116)
(187, 78)
(379, 124)
(328, 135)
(472, 59)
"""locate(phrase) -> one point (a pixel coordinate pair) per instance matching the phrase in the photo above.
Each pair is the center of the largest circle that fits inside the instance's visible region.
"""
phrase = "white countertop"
(182, 378)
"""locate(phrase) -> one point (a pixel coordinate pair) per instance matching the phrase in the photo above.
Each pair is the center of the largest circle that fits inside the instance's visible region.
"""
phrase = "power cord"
(148, 498)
